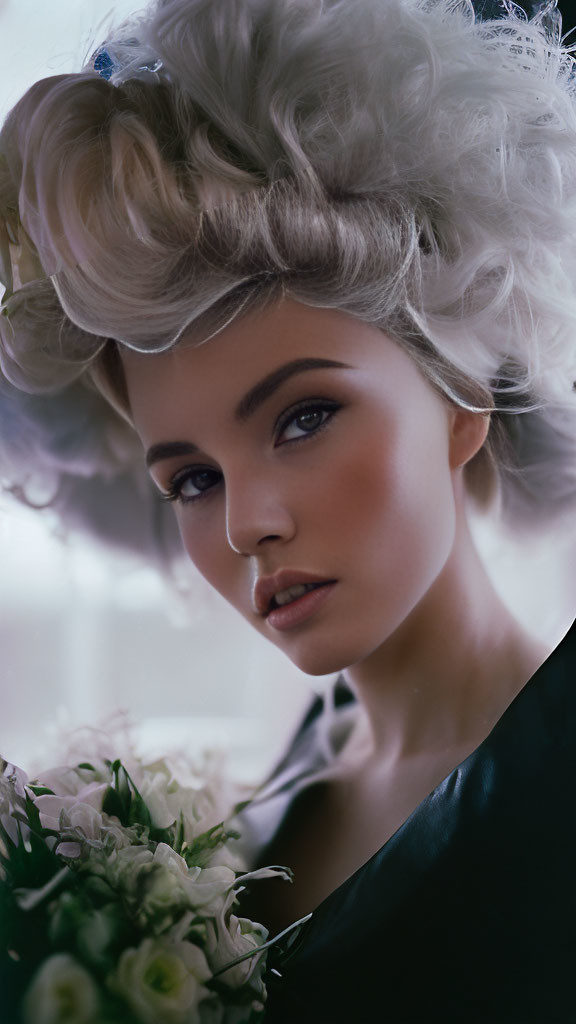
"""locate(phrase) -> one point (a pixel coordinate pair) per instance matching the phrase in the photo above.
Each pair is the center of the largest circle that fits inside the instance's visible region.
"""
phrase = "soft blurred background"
(84, 632)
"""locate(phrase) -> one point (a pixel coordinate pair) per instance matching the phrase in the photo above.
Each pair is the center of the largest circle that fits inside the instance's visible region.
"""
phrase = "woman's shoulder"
(473, 896)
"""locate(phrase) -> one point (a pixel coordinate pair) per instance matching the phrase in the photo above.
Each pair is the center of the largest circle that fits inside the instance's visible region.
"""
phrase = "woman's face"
(342, 472)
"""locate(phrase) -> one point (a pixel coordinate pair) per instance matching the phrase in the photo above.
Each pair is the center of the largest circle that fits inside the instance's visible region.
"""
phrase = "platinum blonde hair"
(400, 160)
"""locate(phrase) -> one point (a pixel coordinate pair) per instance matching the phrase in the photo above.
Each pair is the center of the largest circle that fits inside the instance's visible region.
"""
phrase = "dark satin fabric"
(468, 913)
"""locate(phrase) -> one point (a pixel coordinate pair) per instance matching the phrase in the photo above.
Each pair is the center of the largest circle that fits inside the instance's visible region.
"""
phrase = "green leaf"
(113, 805)
(41, 790)
(139, 813)
(238, 808)
(87, 765)
(33, 866)
(33, 817)
(179, 838)
(124, 801)
(199, 852)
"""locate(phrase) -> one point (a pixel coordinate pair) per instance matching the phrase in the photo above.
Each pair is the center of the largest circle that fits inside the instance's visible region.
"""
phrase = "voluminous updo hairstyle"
(400, 160)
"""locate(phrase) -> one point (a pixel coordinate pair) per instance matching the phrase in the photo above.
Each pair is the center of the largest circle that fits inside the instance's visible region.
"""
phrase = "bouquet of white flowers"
(118, 884)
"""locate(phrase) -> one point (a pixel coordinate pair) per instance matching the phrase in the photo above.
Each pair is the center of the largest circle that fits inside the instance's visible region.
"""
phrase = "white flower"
(177, 789)
(207, 888)
(200, 809)
(12, 798)
(81, 813)
(163, 981)
(75, 794)
(204, 886)
(169, 799)
(62, 992)
(171, 886)
(122, 867)
(153, 782)
(154, 892)
(91, 795)
(163, 897)
(67, 780)
(97, 930)
(180, 930)
(131, 858)
(229, 937)
(118, 836)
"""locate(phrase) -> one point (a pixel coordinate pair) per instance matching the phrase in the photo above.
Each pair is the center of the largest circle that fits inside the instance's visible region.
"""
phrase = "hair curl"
(400, 160)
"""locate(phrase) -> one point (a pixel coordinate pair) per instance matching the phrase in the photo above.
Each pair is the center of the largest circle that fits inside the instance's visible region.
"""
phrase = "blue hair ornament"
(109, 59)
(104, 64)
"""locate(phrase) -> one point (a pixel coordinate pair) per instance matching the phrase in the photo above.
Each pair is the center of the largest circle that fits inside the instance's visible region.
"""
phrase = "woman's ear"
(468, 431)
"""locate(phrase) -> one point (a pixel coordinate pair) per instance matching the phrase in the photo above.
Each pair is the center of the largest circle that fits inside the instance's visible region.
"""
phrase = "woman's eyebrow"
(265, 388)
(248, 405)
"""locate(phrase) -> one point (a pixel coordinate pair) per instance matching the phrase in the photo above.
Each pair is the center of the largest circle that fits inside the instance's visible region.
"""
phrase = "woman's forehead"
(234, 373)
(262, 339)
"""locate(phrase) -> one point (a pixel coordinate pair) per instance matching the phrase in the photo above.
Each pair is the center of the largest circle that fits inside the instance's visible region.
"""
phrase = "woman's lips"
(295, 612)
(266, 587)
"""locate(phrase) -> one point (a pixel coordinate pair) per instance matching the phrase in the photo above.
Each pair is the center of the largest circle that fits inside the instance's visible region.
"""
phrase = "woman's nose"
(256, 511)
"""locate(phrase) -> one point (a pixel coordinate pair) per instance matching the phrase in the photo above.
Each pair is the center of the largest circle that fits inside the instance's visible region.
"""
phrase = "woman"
(318, 261)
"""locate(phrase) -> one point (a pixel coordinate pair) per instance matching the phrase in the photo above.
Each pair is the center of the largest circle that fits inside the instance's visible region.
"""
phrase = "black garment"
(468, 913)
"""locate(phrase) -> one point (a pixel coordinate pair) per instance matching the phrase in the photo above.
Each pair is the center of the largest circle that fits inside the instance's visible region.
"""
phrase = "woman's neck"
(447, 674)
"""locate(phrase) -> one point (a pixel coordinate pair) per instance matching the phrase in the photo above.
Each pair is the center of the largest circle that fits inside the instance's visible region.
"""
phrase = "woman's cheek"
(199, 541)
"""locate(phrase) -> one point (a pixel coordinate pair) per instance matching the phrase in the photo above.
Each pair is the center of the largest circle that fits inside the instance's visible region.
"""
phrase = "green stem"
(260, 949)
(29, 899)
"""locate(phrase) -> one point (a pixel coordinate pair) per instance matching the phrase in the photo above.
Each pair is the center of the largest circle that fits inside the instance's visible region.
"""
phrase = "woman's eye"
(190, 485)
(306, 420)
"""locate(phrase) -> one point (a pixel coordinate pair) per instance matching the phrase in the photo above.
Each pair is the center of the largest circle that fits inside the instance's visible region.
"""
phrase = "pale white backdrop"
(82, 633)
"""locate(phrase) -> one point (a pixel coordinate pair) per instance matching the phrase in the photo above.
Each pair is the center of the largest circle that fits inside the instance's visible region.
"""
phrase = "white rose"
(61, 990)
(163, 981)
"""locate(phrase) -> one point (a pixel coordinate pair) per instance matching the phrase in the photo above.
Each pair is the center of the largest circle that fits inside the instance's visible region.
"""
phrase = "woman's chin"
(314, 661)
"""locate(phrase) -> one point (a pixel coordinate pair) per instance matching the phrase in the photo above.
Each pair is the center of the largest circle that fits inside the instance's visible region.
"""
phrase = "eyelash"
(178, 481)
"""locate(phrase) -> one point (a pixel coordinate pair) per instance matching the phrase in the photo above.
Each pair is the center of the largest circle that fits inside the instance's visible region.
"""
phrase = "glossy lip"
(293, 614)
(267, 586)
